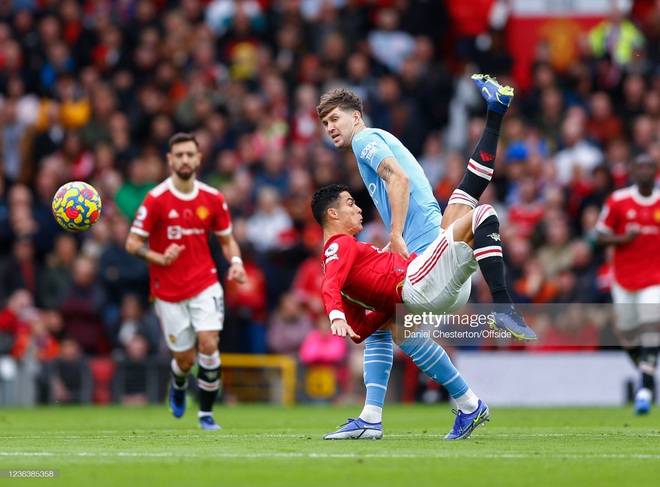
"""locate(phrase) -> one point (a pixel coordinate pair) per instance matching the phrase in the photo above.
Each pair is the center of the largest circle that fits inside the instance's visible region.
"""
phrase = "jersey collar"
(183, 196)
(644, 200)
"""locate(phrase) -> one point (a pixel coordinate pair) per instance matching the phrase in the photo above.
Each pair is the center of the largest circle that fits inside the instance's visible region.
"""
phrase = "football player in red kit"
(171, 232)
(362, 284)
(630, 222)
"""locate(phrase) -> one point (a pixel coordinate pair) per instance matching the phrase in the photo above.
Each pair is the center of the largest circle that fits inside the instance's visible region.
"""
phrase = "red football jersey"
(168, 216)
(637, 263)
(362, 274)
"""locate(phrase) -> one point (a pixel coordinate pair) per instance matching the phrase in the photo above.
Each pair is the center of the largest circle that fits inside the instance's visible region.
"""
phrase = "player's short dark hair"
(324, 198)
(344, 99)
(180, 137)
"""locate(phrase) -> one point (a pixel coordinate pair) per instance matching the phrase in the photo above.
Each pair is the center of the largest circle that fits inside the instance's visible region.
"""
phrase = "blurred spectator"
(268, 227)
(57, 274)
(616, 37)
(572, 330)
(321, 347)
(120, 274)
(246, 304)
(138, 183)
(133, 367)
(19, 270)
(81, 308)
(15, 320)
(288, 326)
(13, 140)
(70, 379)
(577, 157)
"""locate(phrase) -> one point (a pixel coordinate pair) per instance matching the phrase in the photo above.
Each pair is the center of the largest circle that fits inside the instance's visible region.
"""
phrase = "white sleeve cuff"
(335, 314)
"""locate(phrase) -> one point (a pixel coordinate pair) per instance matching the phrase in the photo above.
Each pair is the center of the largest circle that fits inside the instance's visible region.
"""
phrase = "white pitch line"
(160, 434)
(440, 454)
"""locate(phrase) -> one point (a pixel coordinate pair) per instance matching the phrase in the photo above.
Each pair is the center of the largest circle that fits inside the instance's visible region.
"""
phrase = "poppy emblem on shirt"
(202, 212)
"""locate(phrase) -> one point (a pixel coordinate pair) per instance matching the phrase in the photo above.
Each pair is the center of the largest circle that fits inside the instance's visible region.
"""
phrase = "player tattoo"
(142, 252)
(385, 171)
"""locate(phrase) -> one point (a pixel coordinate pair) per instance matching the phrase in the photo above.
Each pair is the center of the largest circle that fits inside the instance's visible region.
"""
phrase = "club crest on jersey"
(495, 236)
(656, 215)
(172, 338)
(202, 212)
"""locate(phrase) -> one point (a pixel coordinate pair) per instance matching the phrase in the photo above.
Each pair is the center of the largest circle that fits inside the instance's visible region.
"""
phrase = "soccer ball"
(76, 206)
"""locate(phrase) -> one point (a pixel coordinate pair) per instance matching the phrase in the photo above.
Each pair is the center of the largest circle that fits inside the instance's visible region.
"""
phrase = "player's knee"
(482, 213)
(186, 362)
(207, 344)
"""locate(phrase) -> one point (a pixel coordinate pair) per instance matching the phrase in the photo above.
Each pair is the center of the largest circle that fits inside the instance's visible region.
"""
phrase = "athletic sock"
(179, 377)
(432, 359)
(208, 380)
(378, 359)
(468, 402)
(371, 414)
(488, 252)
(634, 353)
(481, 165)
(648, 359)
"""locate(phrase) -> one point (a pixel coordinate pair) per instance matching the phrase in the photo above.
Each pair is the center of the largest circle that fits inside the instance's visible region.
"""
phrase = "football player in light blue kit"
(404, 198)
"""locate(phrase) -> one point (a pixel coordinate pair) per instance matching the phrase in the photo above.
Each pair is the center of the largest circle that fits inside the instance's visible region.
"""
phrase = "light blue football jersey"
(422, 226)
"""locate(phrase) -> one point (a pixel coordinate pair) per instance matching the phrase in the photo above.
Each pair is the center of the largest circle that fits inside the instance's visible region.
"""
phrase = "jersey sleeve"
(370, 149)
(338, 257)
(222, 220)
(145, 216)
(607, 219)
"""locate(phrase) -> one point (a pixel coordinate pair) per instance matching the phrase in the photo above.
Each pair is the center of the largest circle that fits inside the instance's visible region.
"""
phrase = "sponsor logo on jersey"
(369, 151)
(175, 232)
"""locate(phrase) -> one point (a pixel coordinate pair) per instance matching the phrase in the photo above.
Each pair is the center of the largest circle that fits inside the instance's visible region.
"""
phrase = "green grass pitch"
(263, 445)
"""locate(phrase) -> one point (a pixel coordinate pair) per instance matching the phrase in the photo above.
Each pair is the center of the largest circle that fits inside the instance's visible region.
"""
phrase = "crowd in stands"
(92, 90)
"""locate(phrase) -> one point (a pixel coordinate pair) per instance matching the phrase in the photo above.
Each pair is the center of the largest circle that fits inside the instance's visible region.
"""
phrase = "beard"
(185, 175)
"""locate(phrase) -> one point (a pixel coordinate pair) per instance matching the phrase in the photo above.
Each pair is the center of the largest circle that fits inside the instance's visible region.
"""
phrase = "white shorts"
(183, 320)
(635, 308)
(438, 281)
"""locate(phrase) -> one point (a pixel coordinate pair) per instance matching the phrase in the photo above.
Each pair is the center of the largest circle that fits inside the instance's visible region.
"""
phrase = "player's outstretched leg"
(488, 253)
(178, 388)
(378, 359)
(498, 97)
(433, 360)
(481, 165)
